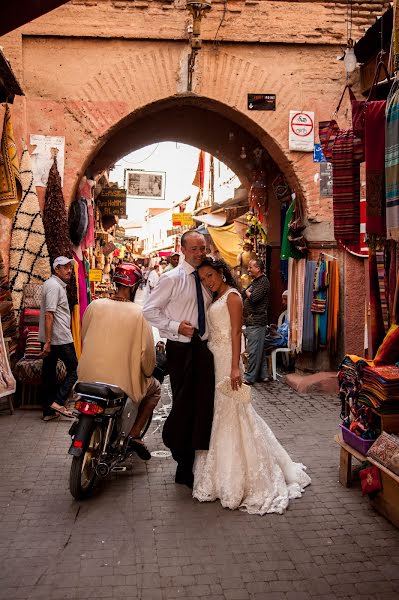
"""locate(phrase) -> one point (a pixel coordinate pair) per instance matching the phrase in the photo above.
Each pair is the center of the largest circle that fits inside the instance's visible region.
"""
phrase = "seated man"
(277, 337)
(118, 348)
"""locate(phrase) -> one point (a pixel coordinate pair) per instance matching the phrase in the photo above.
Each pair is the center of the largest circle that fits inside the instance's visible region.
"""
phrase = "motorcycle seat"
(99, 390)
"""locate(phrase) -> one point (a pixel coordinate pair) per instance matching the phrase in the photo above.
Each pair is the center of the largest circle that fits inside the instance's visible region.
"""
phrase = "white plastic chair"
(272, 357)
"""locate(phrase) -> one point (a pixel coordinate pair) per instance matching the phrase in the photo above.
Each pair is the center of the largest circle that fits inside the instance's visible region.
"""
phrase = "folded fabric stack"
(380, 388)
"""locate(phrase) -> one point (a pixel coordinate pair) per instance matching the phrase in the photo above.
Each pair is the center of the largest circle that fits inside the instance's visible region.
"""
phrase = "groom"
(177, 307)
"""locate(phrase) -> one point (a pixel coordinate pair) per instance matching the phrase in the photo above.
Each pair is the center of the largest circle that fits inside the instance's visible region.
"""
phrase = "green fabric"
(288, 249)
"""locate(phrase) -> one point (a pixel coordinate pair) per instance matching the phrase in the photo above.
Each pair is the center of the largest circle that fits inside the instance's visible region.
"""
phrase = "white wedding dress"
(245, 466)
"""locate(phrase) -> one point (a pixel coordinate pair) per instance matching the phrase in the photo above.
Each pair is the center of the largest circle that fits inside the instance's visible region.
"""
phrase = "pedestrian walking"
(256, 301)
(153, 278)
(56, 337)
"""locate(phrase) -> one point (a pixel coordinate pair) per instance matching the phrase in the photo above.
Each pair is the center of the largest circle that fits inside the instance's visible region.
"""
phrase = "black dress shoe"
(184, 478)
(140, 449)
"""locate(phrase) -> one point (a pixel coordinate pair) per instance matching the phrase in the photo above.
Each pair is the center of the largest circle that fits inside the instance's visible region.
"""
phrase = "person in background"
(118, 348)
(256, 301)
(153, 278)
(56, 337)
(173, 262)
(277, 337)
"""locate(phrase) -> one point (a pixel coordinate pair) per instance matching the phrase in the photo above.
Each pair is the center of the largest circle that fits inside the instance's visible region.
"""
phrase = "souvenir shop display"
(29, 258)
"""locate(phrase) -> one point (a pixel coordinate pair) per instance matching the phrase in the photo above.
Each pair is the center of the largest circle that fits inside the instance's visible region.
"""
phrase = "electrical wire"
(128, 162)
(215, 41)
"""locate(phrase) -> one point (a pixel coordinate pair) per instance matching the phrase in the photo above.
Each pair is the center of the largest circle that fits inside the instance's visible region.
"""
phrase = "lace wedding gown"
(245, 467)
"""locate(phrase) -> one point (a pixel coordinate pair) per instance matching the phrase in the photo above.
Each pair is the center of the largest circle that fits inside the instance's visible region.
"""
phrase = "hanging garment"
(392, 163)
(76, 319)
(320, 294)
(308, 342)
(56, 227)
(380, 259)
(301, 268)
(288, 249)
(377, 330)
(375, 169)
(393, 268)
(82, 285)
(345, 151)
(29, 258)
(283, 261)
(333, 305)
(10, 186)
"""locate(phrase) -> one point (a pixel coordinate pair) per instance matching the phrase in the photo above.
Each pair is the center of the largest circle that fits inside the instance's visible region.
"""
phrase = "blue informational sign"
(318, 155)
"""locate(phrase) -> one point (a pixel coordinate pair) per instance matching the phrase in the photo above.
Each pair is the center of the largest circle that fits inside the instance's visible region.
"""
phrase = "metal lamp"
(198, 10)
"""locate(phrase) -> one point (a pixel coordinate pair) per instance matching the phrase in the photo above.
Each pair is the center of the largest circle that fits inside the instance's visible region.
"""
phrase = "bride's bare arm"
(234, 304)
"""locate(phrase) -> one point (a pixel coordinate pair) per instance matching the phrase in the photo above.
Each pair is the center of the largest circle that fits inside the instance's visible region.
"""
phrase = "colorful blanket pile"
(380, 388)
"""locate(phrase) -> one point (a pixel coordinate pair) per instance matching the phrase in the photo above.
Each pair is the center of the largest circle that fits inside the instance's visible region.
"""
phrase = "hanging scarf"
(300, 291)
(392, 163)
(288, 249)
(377, 331)
(333, 305)
(308, 344)
(29, 258)
(375, 169)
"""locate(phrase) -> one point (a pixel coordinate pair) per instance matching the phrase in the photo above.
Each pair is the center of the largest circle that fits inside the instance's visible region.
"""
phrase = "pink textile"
(85, 192)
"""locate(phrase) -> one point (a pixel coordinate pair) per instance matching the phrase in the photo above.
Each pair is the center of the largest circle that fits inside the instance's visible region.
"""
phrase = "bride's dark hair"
(219, 265)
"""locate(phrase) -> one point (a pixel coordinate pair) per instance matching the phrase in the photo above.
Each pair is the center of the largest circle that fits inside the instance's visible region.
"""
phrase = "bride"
(245, 466)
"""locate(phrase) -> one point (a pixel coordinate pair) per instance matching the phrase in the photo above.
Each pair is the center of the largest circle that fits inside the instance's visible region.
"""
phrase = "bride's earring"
(223, 278)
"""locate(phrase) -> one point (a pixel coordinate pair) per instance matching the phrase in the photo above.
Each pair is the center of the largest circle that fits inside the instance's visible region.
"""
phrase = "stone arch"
(152, 81)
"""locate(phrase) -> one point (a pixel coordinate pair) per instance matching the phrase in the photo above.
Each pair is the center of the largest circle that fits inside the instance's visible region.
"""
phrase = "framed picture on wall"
(145, 184)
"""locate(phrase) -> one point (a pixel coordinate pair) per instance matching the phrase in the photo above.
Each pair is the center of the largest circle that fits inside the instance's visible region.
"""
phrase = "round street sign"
(302, 124)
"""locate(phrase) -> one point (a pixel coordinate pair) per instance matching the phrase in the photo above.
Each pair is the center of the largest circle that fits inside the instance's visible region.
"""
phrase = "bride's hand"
(235, 377)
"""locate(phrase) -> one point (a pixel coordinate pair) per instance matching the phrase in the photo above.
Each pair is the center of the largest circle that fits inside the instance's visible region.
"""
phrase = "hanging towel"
(308, 342)
(375, 169)
(29, 258)
(392, 163)
(380, 258)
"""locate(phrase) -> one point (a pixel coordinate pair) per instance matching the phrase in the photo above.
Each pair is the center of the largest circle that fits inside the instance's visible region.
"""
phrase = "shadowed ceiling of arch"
(190, 122)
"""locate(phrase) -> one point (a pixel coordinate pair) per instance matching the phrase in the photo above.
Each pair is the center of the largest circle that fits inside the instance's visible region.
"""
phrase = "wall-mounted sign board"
(261, 101)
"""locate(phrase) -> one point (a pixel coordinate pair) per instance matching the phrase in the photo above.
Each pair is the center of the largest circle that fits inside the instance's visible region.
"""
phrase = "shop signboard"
(261, 101)
(112, 201)
(326, 180)
(301, 131)
(95, 275)
(182, 219)
(145, 184)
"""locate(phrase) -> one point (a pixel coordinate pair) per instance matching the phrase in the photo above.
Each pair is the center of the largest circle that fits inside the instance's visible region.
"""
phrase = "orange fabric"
(388, 352)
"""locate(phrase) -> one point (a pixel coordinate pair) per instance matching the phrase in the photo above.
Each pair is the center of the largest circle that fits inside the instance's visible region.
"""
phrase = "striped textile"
(345, 151)
(10, 186)
(300, 290)
(377, 331)
(392, 162)
(380, 258)
(375, 170)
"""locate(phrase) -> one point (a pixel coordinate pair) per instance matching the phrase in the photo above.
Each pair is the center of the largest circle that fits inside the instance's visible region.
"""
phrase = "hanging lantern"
(350, 60)
(258, 197)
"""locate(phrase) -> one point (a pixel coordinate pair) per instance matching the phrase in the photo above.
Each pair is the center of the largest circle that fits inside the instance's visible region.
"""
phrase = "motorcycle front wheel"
(83, 476)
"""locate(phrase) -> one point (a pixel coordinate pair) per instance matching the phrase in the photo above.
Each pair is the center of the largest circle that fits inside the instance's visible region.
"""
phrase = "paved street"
(144, 537)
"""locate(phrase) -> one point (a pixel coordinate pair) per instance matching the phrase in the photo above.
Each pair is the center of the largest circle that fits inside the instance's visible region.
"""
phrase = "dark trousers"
(52, 390)
(192, 378)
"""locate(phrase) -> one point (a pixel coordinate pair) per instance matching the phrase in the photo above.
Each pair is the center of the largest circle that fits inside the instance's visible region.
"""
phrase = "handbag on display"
(318, 305)
(370, 480)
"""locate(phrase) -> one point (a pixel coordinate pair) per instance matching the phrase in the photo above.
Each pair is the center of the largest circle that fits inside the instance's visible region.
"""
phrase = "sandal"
(62, 411)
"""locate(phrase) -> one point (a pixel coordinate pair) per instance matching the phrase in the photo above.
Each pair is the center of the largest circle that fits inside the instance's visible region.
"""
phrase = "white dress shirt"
(175, 300)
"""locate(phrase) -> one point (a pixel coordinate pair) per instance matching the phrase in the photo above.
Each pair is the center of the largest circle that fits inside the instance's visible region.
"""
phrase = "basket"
(355, 441)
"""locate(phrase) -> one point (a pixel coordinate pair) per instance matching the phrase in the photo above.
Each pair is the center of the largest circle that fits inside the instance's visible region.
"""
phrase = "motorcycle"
(106, 416)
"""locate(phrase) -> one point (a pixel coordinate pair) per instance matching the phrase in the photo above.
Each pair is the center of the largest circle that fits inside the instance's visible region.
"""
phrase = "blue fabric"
(308, 339)
(257, 367)
(200, 305)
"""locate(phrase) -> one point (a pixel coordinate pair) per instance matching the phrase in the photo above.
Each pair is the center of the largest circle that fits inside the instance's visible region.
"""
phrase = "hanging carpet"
(29, 258)
(392, 162)
(10, 186)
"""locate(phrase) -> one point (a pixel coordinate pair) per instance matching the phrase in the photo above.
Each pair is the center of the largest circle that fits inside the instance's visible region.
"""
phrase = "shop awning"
(16, 13)
(227, 242)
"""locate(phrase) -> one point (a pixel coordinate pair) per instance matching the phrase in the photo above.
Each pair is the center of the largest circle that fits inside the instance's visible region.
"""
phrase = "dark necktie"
(200, 305)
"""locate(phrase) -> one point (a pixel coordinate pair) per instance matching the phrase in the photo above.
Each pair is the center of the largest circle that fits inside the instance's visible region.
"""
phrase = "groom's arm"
(154, 307)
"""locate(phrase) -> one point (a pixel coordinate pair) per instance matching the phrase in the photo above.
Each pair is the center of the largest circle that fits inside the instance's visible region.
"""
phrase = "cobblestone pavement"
(142, 536)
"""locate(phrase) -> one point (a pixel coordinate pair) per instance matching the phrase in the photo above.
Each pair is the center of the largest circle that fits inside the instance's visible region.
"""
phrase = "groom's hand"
(186, 329)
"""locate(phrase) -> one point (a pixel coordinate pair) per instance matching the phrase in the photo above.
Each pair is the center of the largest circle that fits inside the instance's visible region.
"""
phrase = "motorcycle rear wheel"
(83, 475)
